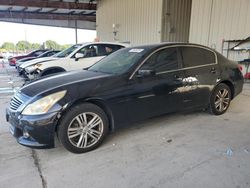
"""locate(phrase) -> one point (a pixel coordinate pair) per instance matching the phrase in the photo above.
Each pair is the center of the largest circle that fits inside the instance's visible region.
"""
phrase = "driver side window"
(88, 51)
(163, 60)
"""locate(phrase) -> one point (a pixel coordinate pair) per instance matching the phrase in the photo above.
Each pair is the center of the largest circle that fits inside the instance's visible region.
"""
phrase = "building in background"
(143, 21)
(219, 24)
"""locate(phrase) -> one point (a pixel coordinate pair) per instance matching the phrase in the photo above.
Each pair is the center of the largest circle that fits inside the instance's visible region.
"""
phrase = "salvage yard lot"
(193, 149)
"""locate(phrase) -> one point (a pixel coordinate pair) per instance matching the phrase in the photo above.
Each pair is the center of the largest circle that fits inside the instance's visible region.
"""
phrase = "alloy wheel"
(222, 100)
(85, 130)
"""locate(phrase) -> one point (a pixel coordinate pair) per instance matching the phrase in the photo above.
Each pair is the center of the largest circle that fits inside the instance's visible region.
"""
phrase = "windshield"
(119, 62)
(68, 51)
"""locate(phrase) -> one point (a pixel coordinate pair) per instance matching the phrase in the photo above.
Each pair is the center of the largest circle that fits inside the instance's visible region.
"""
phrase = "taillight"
(13, 60)
(240, 67)
(247, 75)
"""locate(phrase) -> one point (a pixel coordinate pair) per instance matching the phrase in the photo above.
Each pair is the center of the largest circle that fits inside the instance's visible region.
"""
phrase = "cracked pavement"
(177, 150)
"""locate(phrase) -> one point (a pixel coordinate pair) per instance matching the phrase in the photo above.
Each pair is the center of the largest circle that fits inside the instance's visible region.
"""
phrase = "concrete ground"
(193, 149)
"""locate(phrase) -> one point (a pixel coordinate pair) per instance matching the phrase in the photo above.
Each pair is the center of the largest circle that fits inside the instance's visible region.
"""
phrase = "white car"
(74, 58)
(21, 68)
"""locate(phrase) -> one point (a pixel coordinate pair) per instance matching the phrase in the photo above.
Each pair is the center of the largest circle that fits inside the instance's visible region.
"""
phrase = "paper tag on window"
(136, 50)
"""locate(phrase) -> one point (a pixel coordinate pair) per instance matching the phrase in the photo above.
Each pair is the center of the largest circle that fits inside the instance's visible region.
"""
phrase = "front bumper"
(31, 76)
(33, 131)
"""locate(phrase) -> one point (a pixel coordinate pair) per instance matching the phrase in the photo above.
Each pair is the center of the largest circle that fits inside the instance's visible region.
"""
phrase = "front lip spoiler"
(33, 144)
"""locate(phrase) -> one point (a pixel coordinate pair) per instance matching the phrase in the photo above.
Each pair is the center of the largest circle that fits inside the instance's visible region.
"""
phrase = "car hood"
(62, 81)
(35, 61)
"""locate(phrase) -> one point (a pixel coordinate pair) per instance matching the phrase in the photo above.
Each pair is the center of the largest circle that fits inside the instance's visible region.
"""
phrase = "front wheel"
(83, 128)
(220, 99)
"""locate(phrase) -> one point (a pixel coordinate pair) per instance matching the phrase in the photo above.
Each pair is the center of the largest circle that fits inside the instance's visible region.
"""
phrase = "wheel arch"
(60, 69)
(98, 102)
(230, 85)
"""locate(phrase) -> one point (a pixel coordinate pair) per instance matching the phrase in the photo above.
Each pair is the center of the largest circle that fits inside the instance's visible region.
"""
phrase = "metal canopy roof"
(62, 13)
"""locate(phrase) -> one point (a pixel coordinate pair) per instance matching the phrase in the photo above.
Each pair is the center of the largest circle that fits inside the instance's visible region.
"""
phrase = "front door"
(159, 92)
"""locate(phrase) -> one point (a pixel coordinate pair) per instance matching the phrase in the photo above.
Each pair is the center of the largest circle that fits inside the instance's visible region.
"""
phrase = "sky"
(13, 32)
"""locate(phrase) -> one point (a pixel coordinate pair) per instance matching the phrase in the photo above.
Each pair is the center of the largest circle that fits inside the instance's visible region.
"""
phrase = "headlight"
(43, 105)
(32, 68)
(38, 65)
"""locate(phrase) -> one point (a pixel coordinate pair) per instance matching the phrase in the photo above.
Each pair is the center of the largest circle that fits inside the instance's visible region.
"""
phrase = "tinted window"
(38, 53)
(163, 60)
(50, 54)
(106, 49)
(193, 56)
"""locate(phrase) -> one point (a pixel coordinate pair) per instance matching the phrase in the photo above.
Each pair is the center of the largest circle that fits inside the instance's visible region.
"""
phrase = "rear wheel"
(83, 128)
(220, 99)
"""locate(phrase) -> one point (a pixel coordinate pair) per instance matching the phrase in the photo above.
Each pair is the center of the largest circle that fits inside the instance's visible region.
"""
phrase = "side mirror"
(79, 56)
(145, 73)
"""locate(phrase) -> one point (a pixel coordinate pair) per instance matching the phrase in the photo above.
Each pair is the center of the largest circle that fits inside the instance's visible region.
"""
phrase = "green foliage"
(50, 44)
(23, 45)
(65, 46)
(36, 46)
(9, 46)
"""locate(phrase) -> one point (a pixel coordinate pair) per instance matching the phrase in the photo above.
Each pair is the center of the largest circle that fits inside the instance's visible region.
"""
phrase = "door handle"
(213, 70)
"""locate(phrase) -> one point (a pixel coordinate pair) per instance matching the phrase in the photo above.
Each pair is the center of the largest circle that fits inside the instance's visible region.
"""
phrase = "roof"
(153, 46)
(46, 10)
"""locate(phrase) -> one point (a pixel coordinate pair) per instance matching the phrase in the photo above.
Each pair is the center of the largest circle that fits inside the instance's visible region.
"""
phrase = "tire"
(75, 135)
(220, 99)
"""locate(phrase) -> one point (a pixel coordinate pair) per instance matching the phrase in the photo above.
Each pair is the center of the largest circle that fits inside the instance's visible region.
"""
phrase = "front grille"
(15, 103)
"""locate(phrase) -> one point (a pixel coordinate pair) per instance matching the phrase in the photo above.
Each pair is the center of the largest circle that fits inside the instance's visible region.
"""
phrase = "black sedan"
(129, 85)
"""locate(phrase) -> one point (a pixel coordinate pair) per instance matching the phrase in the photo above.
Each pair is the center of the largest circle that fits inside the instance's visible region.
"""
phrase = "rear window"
(194, 56)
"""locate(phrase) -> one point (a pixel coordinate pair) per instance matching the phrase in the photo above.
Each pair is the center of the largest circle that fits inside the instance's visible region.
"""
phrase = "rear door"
(201, 73)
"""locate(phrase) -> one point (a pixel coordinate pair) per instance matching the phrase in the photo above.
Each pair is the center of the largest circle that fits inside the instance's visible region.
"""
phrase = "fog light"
(26, 134)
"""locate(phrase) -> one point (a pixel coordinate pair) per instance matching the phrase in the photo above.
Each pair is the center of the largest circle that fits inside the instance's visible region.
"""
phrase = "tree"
(23, 45)
(50, 44)
(65, 46)
(9, 46)
(35, 46)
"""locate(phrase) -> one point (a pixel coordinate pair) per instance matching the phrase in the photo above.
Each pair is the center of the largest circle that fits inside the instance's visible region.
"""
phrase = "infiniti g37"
(132, 84)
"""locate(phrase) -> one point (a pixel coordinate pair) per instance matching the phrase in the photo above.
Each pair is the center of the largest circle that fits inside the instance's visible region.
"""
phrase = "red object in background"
(12, 60)
(240, 67)
(247, 75)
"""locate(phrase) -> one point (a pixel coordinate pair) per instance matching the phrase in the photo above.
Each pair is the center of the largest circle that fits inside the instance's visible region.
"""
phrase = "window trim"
(215, 55)
(179, 60)
(175, 46)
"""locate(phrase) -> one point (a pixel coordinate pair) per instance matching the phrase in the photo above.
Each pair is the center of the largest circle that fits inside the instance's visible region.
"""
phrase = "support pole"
(76, 31)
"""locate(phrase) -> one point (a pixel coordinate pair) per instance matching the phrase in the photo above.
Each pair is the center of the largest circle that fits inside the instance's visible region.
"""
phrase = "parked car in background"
(32, 64)
(12, 60)
(48, 53)
(29, 59)
(130, 85)
(74, 58)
